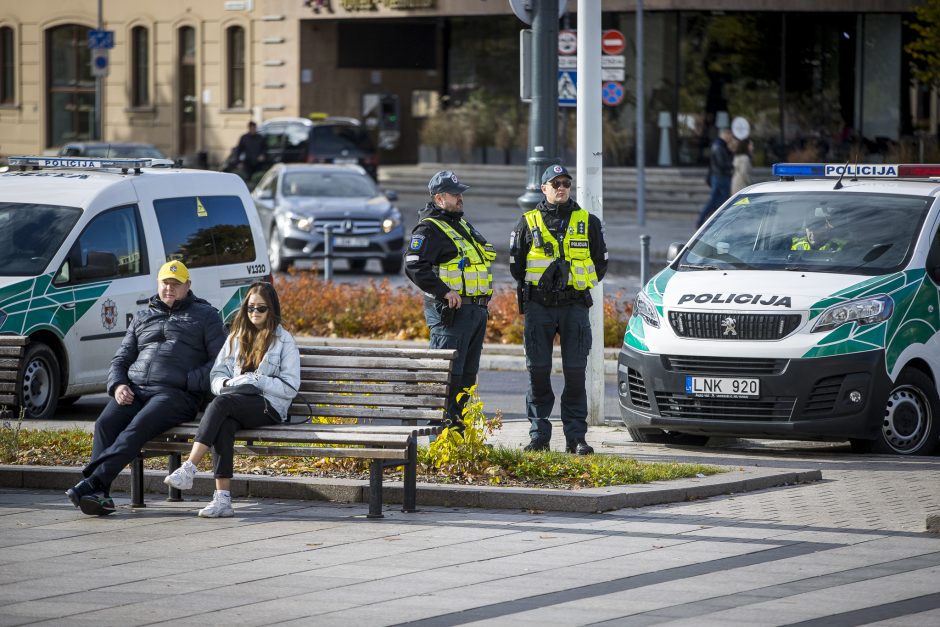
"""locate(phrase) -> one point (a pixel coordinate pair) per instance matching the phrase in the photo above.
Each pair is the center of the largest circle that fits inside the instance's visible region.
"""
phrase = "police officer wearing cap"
(557, 254)
(450, 262)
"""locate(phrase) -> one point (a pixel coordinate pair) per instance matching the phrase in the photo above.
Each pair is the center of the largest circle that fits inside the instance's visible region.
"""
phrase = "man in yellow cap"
(157, 380)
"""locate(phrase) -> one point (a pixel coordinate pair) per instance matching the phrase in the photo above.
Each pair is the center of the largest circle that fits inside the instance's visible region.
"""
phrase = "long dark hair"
(253, 342)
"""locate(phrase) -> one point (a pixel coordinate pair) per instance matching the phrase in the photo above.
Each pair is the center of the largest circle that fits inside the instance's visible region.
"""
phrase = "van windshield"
(838, 232)
(30, 235)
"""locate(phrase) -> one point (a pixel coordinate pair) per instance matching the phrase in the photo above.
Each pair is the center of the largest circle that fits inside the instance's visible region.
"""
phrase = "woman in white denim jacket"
(255, 378)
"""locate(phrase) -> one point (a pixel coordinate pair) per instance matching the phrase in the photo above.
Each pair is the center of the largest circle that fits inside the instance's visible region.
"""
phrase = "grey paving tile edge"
(586, 500)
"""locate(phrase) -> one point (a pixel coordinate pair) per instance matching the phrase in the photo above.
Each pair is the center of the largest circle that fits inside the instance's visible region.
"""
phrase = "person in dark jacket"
(450, 261)
(557, 253)
(157, 380)
(720, 169)
(251, 151)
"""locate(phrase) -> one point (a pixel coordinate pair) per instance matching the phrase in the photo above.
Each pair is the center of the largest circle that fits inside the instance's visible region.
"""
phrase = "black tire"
(658, 436)
(41, 382)
(910, 425)
(357, 265)
(276, 252)
(66, 401)
(392, 266)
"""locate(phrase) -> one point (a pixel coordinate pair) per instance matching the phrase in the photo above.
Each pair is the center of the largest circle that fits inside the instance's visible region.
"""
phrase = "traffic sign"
(613, 42)
(567, 42)
(567, 88)
(612, 93)
(100, 39)
(567, 62)
(613, 74)
(99, 62)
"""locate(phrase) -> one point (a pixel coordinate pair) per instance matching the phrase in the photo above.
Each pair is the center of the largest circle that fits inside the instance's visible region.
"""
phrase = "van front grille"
(732, 326)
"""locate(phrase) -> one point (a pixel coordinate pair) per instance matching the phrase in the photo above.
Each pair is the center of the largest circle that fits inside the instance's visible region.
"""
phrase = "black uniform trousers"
(224, 416)
(466, 335)
(571, 322)
(121, 430)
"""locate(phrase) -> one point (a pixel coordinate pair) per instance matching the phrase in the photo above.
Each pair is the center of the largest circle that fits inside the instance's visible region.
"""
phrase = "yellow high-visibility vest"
(469, 272)
(577, 250)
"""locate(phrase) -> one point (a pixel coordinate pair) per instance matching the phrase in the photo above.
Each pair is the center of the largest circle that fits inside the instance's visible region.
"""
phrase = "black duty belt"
(482, 301)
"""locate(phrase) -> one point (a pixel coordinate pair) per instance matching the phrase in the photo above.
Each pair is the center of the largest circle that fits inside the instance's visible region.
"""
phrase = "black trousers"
(466, 335)
(225, 415)
(121, 430)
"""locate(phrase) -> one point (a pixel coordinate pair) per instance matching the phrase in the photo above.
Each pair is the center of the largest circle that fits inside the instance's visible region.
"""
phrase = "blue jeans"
(721, 190)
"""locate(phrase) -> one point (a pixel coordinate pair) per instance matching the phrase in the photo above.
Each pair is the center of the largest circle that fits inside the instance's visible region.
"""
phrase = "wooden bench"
(12, 352)
(388, 396)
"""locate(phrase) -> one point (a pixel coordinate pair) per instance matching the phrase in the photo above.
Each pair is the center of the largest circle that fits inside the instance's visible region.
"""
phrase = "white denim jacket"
(277, 376)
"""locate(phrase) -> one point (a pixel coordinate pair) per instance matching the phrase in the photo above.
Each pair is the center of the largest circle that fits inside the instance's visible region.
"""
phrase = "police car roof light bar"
(857, 170)
(39, 162)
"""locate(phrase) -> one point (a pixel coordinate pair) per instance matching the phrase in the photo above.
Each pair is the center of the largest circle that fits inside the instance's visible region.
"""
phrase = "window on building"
(7, 67)
(140, 67)
(70, 85)
(235, 43)
(205, 230)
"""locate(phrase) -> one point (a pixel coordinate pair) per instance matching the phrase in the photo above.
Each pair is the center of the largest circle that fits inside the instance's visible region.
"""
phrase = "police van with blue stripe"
(81, 242)
(805, 308)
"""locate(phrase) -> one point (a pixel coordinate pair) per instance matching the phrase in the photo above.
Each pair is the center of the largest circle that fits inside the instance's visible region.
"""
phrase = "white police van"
(805, 308)
(81, 241)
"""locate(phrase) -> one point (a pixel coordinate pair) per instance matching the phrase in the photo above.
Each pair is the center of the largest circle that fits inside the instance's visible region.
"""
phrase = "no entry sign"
(613, 42)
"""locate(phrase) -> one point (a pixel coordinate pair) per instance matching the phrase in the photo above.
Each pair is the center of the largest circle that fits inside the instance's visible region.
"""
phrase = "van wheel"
(658, 436)
(910, 425)
(392, 266)
(41, 385)
(276, 252)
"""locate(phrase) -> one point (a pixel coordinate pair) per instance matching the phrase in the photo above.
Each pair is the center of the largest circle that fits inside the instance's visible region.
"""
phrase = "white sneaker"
(182, 477)
(220, 507)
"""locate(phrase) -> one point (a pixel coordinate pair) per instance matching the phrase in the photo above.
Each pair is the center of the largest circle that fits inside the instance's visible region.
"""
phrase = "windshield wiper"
(697, 266)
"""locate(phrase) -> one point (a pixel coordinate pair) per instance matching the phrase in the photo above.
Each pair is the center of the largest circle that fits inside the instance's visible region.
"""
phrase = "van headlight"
(644, 308)
(862, 311)
(301, 222)
(392, 221)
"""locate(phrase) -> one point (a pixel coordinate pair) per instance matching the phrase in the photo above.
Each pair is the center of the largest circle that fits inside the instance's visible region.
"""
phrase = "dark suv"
(331, 140)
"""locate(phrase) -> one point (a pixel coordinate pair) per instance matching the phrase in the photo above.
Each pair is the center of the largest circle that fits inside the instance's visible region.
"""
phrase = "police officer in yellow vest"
(557, 253)
(818, 234)
(450, 262)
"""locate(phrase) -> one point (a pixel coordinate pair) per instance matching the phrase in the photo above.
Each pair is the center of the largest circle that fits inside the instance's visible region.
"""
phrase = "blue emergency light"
(856, 170)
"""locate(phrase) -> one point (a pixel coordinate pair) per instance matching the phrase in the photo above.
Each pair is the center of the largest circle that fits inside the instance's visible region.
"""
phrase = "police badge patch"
(417, 241)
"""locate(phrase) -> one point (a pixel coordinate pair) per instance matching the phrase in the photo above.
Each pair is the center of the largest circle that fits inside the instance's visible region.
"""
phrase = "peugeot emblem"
(728, 325)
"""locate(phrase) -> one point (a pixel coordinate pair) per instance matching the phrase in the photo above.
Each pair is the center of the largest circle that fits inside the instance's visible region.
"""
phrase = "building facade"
(439, 79)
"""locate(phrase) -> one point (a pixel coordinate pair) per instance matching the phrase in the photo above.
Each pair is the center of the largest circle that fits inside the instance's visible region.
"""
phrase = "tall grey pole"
(543, 110)
(640, 126)
(99, 86)
(590, 179)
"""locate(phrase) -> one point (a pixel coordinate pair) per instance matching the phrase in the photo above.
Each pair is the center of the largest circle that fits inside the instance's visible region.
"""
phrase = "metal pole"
(640, 125)
(99, 86)
(328, 252)
(590, 180)
(543, 111)
(644, 259)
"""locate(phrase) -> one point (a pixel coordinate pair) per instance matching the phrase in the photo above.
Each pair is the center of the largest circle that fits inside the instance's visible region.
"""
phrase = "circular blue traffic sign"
(612, 93)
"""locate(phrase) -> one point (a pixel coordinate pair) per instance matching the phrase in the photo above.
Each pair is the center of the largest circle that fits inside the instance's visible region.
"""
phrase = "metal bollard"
(644, 259)
(328, 252)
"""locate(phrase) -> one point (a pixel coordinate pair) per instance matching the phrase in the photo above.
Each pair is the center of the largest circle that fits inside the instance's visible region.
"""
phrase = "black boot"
(79, 490)
(96, 505)
(579, 447)
(537, 445)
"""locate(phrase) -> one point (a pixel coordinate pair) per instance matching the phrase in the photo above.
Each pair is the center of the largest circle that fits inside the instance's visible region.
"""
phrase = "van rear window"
(205, 230)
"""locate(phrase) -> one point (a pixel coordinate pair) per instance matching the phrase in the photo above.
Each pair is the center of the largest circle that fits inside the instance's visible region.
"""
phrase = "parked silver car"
(296, 203)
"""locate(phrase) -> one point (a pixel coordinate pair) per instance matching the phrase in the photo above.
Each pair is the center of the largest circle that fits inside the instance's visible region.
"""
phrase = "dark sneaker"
(81, 489)
(96, 505)
(537, 445)
(579, 447)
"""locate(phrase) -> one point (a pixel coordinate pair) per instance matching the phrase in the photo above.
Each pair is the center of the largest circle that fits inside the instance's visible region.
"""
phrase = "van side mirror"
(673, 251)
(100, 266)
(266, 194)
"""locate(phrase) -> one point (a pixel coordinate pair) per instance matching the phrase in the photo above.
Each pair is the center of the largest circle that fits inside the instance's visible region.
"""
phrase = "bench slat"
(294, 451)
(386, 363)
(13, 340)
(385, 376)
(10, 364)
(7, 386)
(277, 434)
(372, 388)
(11, 351)
(380, 351)
(8, 399)
(414, 430)
(9, 375)
(300, 409)
(370, 400)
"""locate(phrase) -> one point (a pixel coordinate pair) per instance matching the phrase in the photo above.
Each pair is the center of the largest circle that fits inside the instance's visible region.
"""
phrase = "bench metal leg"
(410, 477)
(137, 482)
(175, 462)
(376, 468)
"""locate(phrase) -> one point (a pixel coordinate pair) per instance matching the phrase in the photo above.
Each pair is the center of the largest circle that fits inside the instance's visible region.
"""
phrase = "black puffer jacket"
(169, 348)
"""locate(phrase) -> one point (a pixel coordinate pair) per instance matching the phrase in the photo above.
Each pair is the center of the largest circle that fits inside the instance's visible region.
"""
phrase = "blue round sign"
(612, 93)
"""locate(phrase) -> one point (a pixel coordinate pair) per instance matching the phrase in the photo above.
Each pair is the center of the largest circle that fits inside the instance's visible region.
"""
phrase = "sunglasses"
(257, 308)
(566, 183)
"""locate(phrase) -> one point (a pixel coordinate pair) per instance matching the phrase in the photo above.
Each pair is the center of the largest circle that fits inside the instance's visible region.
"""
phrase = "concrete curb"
(588, 500)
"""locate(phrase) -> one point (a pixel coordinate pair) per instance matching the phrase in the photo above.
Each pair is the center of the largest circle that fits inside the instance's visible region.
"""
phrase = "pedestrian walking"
(251, 152)
(255, 378)
(557, 254)
(741, 176)
(158, 379)
(450, 261)
(720, 169)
